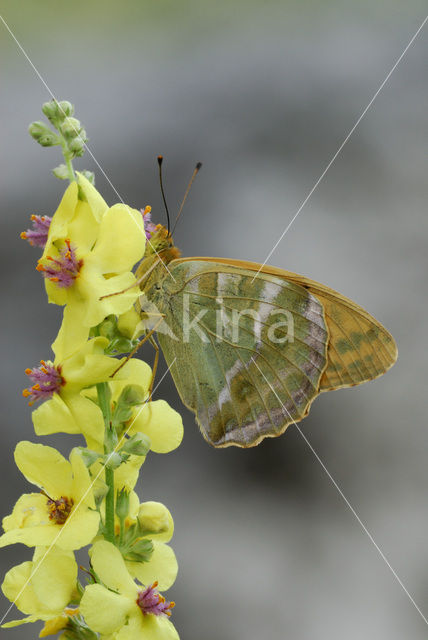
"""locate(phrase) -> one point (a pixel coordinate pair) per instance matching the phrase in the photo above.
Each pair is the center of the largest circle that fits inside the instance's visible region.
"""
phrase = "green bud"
(61, 172)
(122, 504)
(65, 108)
(77, 146)
(131, 395)
(139, 445)
(154, 517)
(43, 135)
(71, 127)
(50, 109)
(114, 460)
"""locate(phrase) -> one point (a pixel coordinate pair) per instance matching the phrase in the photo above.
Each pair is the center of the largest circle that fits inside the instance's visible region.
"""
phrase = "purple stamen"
(63, 270)
(149, 226)
(38, 235)
(150, 601)
(47, 380)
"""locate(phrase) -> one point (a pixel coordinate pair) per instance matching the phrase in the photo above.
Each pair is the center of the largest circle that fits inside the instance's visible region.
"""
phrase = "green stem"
(103, 392)
(68, 161)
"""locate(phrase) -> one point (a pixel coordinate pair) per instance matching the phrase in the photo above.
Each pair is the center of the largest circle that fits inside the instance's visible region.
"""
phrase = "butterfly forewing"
(249, 352)
(359, 348)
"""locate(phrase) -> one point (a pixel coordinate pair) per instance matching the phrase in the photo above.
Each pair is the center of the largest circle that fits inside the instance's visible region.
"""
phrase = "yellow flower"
(122, 607)
(64, 513)
(42, 588)
(90, 253)
(60, 384)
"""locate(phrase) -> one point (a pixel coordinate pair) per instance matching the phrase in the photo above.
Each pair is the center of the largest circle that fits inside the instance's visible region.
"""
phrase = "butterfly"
(251, 346)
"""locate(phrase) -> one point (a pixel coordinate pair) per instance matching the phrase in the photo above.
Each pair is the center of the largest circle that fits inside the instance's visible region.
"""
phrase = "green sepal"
(89, 456)
(119, 344)
(133, 546)
(77, 629)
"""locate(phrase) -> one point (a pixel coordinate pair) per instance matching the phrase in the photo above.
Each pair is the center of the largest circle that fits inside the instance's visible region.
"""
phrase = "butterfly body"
(251, 347)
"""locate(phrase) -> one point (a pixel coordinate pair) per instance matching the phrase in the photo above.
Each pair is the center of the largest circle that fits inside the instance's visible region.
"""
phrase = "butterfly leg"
(140, 344)
(155, 365)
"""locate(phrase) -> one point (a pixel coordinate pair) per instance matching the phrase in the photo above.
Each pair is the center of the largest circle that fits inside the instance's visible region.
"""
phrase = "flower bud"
(139, 445)
(43, 135)
(71, 127)
(122, 504)
(77, 146)
(61, 172)
(113, 460)
(154, 517)
(65, 108)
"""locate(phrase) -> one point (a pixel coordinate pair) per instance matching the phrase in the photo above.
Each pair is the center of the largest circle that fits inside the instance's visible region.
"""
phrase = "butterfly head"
(159, 241)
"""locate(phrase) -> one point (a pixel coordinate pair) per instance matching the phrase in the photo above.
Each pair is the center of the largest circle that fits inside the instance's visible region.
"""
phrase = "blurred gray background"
(263, 94)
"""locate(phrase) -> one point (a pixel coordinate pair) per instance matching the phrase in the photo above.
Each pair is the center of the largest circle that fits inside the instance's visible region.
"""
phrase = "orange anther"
(23, 235)
(26, 393)
(40, 267)
(33, 217)
(28, 371)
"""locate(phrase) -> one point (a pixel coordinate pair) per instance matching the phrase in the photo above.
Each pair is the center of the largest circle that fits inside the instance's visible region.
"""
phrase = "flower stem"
(103, 392)
(68, 160)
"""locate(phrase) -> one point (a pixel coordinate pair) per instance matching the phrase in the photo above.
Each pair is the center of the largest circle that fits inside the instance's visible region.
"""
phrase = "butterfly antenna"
(160, 160)
(194, 174)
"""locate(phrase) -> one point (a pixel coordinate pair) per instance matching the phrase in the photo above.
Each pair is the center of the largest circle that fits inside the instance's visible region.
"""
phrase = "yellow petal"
(45, 467)
(71, 414)
(109, 565)
(156, 518)
(136, 372)
(121, 240)
(93, 197)
(12, 585)
(161, 423)
(88, 365)
(148, 627)
(93, 286)
(72, 334)
(162, 567)
(30, 510)
(82, 485)
(16, 623)
(62, 216)
(79, 530)
(53, 626)
(129, 324)
(103, 610)
(54, 578)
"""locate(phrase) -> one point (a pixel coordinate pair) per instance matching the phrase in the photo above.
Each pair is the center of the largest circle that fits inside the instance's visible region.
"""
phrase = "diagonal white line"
(345, 499)
(343, 144)
(43, 81)
(83, 497)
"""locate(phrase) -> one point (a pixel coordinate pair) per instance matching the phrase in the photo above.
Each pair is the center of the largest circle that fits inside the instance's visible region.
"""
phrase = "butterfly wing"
(252, 384)
(359, 347)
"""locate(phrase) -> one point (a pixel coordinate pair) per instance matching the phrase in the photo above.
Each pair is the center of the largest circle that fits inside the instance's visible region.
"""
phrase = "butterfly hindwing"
(249, 382)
